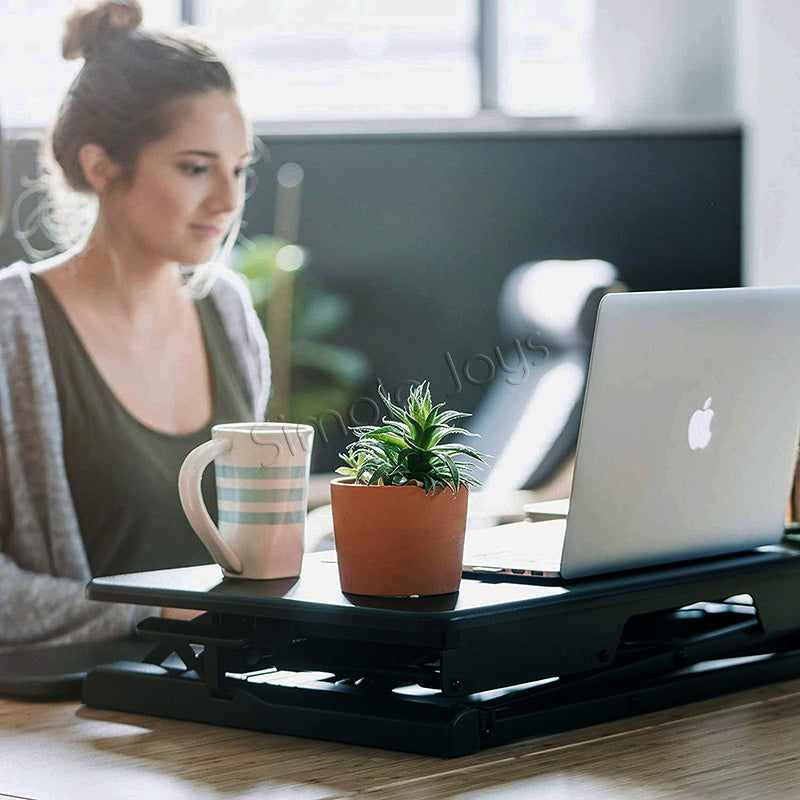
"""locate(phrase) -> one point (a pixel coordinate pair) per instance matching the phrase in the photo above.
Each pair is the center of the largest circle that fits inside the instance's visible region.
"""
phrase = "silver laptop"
(687, 440)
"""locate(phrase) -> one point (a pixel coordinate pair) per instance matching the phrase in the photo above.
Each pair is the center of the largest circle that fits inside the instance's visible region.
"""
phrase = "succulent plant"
(410, 448)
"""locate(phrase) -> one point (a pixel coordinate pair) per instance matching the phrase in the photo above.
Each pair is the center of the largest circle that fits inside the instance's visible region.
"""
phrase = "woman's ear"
(98, 168)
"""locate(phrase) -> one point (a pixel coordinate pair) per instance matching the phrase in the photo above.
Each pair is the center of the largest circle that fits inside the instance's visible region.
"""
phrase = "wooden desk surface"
(741, 746)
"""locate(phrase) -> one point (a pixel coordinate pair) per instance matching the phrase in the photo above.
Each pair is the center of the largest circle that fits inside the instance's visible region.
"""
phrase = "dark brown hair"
(124, 96)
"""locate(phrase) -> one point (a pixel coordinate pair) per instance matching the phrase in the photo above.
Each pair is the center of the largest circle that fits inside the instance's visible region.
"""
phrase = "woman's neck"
(129, 284)
(126, 284)
(140, 297)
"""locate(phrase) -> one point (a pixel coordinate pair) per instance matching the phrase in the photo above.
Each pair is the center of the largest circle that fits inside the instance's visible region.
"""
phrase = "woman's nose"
(225, 196)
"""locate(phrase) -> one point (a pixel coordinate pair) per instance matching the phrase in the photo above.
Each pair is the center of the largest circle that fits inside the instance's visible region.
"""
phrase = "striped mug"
(262, 473)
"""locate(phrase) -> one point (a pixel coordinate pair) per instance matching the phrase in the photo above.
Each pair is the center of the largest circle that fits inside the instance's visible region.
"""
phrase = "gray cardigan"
(43, 564)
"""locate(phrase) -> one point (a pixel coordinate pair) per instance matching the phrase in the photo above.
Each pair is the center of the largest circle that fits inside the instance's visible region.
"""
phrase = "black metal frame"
(452, 675)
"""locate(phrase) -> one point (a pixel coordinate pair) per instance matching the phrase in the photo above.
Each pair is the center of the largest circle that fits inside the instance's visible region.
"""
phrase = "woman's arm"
(43, 570)
(43, 609)
(37, 608)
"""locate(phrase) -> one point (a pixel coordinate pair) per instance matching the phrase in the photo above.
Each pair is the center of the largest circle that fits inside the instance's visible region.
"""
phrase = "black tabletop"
(316, 595)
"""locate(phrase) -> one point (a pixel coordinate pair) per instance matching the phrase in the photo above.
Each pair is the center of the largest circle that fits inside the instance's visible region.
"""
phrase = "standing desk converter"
(452, 674)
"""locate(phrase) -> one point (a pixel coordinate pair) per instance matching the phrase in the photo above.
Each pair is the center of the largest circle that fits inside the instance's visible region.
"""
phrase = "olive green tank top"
(123, 475)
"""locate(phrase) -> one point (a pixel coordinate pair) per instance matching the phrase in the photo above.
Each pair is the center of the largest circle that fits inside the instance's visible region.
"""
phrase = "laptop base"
(446, 680)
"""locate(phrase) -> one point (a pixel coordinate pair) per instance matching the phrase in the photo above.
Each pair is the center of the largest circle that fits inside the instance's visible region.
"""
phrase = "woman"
(113, 365)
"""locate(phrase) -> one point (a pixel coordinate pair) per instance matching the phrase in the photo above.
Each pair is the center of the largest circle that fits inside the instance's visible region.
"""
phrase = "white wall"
(668, 61)
(664, 59)
(770, 104)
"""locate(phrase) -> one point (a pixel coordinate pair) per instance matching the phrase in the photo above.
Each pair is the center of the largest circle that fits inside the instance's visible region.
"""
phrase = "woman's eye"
(194, 169)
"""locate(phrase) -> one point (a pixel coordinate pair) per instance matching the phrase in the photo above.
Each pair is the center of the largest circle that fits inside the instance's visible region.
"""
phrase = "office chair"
(530, 426)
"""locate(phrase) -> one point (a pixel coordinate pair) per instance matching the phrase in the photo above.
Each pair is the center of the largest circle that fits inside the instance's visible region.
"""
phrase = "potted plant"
(400, 514)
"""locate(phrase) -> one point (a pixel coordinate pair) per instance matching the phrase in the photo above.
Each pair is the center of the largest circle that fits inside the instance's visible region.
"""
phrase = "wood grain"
(742, 746)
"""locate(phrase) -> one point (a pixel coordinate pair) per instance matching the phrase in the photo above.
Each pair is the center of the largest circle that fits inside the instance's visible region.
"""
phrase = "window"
(318, 59)
(33, 75)
(340, 59)
(544, 57)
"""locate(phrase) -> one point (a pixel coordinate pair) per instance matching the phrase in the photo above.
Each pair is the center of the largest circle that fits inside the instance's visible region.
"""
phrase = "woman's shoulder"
(231, 296)
(13, 274)
(228, 284)
(16, 290)
(20, 317)
(229, 292)
(21, 268)
(15, 279)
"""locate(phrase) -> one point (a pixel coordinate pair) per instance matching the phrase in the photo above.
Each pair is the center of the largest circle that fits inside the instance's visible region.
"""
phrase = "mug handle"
(195, 509)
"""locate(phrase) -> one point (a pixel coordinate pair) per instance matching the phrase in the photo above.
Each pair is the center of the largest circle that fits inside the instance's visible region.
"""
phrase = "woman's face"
(188, 187)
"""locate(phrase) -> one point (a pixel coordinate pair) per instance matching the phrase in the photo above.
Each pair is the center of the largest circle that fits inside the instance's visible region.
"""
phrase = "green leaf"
(385, 437)
(463, 449)
(453, 469)
(391, 407)
(408, 449)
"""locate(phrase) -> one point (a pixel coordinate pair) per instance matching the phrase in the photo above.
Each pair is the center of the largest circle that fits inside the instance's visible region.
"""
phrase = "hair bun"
(86, 29)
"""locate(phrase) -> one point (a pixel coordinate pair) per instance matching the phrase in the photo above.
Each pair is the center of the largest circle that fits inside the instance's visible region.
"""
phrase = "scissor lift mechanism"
(453, 674)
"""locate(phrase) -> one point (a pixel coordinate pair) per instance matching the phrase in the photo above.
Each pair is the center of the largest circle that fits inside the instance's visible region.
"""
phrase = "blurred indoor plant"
(399, 515)
(310, 375)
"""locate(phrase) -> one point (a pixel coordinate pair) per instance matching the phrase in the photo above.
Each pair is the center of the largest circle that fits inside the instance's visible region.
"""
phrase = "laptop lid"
(689, 428)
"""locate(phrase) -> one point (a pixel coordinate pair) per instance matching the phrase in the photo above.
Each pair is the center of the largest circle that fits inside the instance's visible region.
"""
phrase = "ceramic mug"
(262, 471)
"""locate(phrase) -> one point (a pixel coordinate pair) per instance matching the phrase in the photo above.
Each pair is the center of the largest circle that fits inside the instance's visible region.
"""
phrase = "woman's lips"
(207, 231)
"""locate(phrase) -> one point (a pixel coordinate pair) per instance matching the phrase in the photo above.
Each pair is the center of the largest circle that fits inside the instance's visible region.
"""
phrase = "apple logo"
(700, 426)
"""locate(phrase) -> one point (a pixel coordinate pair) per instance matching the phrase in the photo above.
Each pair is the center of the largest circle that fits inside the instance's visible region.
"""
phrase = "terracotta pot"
(396, 540)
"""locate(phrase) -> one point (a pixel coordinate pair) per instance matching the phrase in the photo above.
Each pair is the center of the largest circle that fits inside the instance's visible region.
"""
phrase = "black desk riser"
(452, 674)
